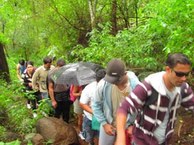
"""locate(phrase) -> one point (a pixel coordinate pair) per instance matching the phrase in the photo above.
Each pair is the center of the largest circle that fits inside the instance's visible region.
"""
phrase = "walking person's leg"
(66, 111)
(79, 112)
(87, 130)
(58, 109)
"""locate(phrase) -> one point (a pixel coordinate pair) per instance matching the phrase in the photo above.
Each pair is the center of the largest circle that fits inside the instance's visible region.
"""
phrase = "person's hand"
(129, 130)
(36, 88)
(109, 129)
(54, 104)
(30, 84)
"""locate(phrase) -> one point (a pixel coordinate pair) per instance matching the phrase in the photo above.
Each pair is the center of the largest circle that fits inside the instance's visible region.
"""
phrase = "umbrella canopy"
(80, 73)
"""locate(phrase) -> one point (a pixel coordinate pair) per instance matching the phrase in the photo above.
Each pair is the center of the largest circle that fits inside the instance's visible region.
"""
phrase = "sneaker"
(44, 114)
(28, 106)
(34, 115)
(81, 136)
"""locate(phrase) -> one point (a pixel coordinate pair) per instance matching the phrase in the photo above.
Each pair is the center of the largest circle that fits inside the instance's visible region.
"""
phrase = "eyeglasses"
(181, 74)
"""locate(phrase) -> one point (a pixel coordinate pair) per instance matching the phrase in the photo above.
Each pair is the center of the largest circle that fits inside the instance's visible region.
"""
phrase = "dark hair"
(60, 62)
(100, 74)
(174, 59)
(21, 61)
(29, 63)
(47, 60)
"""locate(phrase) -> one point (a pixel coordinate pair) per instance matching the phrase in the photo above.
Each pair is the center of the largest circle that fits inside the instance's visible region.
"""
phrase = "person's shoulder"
(156, 81)
(131, 74)
(52, 71)
(101, 82)
(40, 68)
(94, 83)
(154, 76)
(18, 66)
(52, 67)
(91, 85)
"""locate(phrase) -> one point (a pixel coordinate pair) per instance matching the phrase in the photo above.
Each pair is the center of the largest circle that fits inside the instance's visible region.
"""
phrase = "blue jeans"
(88, 133)
(44, 95)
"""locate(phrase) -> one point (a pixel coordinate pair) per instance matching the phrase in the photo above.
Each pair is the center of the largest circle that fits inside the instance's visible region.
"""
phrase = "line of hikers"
(118, 109)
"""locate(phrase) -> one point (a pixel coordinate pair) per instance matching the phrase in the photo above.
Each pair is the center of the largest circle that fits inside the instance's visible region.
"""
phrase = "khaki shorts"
(76, 107)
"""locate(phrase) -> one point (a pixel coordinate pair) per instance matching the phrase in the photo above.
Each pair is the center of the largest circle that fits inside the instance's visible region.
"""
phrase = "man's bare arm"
(120, 125)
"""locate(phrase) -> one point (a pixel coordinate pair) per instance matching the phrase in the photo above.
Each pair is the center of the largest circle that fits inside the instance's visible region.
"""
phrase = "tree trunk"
(136, 12)
(114, 17)
(4, 70)
(92, 10)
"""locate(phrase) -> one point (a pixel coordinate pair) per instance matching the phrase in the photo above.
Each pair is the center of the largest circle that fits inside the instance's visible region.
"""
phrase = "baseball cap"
(115, 70)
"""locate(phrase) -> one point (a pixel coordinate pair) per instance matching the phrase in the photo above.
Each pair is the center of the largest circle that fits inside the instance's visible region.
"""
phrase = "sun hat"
(115, 70)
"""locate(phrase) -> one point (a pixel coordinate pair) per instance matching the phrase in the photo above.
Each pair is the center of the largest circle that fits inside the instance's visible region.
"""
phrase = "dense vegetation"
(141, 32)
(126, 29)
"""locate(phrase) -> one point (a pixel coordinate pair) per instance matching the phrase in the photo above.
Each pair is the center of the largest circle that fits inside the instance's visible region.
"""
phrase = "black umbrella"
(80, 73)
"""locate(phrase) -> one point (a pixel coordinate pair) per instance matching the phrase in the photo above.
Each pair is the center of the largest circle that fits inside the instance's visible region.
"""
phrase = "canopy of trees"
(140, 32)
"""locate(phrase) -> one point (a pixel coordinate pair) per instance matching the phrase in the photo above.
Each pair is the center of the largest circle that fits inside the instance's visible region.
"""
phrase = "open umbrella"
(80, 73)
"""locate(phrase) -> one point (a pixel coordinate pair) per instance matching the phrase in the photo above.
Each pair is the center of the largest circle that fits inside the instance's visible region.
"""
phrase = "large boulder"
(57, 131)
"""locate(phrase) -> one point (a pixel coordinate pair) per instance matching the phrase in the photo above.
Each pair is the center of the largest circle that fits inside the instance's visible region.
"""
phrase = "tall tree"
(92, 9)
(4, 70)
(114, 17)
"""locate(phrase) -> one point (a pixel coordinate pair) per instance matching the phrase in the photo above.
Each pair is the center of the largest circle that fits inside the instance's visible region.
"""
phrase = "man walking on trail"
(39, 78)
(86, 100)
(154, 124)
(117, 84)
(59, 94)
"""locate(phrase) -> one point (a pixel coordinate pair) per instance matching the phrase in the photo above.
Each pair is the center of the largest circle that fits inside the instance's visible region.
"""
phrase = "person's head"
(60, 62)
(30, 66)
(100, 74)
(30, 63)
(21, 61)
(115, 71)
(178, 67)
(47, 62)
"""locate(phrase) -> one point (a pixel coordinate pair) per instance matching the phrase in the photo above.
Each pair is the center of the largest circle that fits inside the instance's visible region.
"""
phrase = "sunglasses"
(181, 74)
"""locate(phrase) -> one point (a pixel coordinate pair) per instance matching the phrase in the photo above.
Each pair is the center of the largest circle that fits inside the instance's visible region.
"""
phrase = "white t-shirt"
(87, 96)
(159, 133)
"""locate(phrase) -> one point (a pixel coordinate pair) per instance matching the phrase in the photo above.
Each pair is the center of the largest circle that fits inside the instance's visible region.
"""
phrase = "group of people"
(34, 80)
(125, 110)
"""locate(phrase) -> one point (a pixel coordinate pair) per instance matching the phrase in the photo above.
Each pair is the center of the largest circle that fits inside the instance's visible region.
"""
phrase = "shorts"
(76, 107)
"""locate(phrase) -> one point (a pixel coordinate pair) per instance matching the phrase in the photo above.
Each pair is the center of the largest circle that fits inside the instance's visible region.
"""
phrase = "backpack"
(72, 97)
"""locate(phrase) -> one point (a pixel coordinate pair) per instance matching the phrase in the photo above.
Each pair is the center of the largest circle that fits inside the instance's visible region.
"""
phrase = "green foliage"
(170, 29)
(17, 142)
(14, 103)
(15, 116)
(2, 133)
(34, 29)
(174, 22)
(103, 46)
(99, 49)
